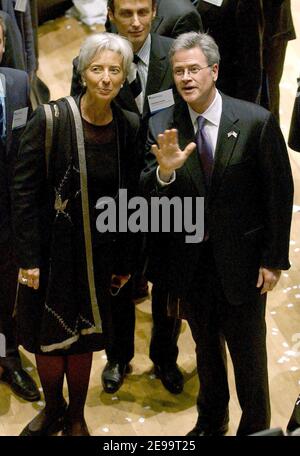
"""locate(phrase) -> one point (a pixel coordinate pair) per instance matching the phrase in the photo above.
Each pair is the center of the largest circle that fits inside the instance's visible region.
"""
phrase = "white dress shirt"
(142, 67)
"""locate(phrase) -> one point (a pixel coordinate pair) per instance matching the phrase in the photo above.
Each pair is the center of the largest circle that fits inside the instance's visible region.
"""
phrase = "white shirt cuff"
(163, 183)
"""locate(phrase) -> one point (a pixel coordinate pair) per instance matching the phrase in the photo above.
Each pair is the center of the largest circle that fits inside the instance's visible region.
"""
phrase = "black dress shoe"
(206, 431)
(52, 426)
(22, 384)
(113, 376)
(170, 376)
(294, 421)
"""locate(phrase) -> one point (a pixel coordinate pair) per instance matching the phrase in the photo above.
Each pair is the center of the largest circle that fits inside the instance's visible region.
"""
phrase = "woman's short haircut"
(203, 41)
(95, 44)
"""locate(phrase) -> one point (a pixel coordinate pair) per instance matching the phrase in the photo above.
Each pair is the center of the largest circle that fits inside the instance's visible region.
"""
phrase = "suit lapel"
(192, 166)
(156, 23)
(158, 64)
(8, 111)
(227, 139)
(126, 99)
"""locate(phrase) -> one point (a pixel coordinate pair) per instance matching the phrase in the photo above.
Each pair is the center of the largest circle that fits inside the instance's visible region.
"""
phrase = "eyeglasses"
(193, 70)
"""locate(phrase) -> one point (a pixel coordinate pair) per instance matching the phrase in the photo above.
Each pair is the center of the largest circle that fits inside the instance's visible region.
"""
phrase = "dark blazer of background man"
(13, 57)
(294, 133)
(237, 27)
(278, 30)
(174, 17)
(23, 33)
(248, 208)
(16, 87)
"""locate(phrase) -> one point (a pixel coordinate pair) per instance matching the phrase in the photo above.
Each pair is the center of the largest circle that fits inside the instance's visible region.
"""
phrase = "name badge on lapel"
(20, 118)
(160, 100)
(214, 2)
(21, 5)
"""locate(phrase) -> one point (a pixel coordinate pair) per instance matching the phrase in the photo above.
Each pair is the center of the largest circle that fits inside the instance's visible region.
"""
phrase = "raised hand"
(168, 155)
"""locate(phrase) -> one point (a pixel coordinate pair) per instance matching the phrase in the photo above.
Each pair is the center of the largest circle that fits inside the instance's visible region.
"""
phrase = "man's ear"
(215, 71)
(110, 15)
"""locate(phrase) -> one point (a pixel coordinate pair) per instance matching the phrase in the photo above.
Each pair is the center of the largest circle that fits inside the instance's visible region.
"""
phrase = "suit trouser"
(8, 286)
(213, 321)
(165, 331)
(120, 346)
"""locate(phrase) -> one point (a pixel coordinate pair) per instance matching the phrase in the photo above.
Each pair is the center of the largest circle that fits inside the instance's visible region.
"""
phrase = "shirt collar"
(2, 90)
(212, 113)
(144, 52)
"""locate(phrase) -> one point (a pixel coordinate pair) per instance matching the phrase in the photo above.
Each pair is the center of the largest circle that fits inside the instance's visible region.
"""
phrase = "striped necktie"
(204, 150)
(136, 85)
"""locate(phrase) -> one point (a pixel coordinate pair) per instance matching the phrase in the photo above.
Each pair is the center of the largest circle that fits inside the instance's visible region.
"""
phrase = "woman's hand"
(118, 282)
(29, 277)
(267, 279)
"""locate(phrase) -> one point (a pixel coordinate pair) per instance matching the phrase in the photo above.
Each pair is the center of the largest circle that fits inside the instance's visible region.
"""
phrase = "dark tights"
(51, 371)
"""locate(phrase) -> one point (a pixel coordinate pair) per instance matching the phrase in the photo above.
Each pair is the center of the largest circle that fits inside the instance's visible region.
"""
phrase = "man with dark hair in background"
(173, 17)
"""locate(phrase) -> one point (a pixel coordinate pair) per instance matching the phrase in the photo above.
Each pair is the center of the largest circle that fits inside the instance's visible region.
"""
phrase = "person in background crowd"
(237, 27)
(278, 30)
(294, 133)
(209, 145)
(69, 271)
(14, 96)
(294, 143)
(20, 19)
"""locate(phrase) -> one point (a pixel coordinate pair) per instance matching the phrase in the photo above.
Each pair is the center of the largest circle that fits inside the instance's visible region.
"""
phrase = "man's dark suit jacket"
(176, 17)
(294, 133)
(237, 27)
(17, 97)
(22, 31)
(13, 56)
(159, 78)
(278, 30)
(173, 17)
(248, 207)
(278, 21)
